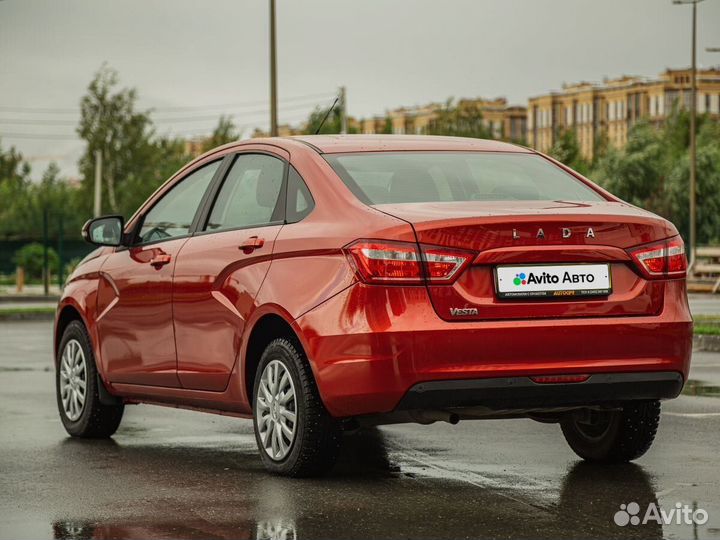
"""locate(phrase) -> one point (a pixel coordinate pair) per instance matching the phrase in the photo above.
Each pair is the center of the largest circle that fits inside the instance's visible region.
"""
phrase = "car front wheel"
(78, 395)
(294, 432)
(613, 436)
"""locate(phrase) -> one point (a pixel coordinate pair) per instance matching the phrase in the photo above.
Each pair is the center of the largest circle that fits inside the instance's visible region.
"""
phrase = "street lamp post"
(693, 114)
(273, 74)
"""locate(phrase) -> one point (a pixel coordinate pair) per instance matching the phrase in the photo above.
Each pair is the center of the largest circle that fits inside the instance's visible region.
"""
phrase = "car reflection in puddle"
(273, 529)
(583, 503)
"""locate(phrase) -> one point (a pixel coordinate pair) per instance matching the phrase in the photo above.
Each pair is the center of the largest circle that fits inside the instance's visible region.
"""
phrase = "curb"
(706, 343)
(28, 316)
(10, 299)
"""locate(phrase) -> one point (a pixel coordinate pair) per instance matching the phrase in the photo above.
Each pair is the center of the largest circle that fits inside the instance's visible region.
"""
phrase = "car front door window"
(173, 214)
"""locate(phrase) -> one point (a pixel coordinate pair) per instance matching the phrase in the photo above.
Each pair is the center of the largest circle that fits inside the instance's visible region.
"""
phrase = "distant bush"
(71, 265)
(30, 257)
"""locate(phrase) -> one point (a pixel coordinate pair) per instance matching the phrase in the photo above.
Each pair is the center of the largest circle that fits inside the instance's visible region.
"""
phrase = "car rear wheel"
(294, 432)
(612, 436)
(78, 395)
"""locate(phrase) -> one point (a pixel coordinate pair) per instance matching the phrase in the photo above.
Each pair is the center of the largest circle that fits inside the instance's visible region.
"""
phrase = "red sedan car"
(318, 284)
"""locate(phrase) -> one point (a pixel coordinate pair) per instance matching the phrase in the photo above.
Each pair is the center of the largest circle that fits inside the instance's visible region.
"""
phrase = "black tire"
(316, 444)
(613, 436)
(97, 420)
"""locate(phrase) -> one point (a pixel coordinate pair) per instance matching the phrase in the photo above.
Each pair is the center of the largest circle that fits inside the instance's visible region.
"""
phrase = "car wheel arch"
(68, 311)
(267, 327)
(67, 314)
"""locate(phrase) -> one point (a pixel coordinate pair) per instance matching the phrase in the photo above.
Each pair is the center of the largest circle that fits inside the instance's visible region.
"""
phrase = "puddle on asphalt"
(275, 529)
(695, 387)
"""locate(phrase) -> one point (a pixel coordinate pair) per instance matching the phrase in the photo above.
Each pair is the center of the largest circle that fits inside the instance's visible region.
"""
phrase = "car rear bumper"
(370, 347)
(524, 393)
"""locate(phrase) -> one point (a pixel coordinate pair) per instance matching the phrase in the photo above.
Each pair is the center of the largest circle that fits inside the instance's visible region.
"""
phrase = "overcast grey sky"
(188, 53)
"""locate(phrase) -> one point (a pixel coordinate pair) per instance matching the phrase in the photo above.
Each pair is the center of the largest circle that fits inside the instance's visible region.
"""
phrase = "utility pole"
(343, 111)
(273, 73)
(61, 270)
(692, 195)
(97, 206)
(46, 254)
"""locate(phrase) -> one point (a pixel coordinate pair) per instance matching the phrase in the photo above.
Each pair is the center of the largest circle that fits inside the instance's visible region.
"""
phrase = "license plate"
(556, 281)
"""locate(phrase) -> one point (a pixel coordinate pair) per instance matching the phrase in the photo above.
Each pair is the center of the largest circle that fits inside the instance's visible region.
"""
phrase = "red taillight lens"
(400, 263)
(386, 262)
(664, 259)
(444, 265)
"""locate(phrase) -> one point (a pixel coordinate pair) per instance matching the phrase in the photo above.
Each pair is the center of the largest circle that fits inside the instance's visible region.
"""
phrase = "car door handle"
(160, 260)
(251, 244)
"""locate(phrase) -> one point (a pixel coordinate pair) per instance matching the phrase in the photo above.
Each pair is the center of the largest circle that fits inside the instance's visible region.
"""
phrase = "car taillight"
(664, 259)
(386, 261)
(444, 265)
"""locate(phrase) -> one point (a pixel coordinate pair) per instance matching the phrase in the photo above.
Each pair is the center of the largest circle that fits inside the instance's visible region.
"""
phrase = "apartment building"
(503, 121)
(610, 109)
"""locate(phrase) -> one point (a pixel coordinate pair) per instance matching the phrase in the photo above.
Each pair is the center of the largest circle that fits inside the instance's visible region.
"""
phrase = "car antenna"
(326, 115)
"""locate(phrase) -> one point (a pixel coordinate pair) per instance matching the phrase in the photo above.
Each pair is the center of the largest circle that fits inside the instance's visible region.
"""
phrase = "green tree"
(708, 185)
(331, 125)
(223, 133)
(652, 171)
(13, 168)
(168, 155)
(464, 119)
(14, 191)
(387, 128)
(109, 123)
(566, 149)
(135, 160)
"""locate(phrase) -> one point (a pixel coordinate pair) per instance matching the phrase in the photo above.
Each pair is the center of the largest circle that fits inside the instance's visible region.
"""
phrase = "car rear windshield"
(408, 177)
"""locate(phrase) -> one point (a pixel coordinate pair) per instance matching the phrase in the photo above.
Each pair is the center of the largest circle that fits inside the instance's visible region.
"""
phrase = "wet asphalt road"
(178, 474)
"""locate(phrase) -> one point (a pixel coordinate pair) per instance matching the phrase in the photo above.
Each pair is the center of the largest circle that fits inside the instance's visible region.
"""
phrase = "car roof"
(334, 144)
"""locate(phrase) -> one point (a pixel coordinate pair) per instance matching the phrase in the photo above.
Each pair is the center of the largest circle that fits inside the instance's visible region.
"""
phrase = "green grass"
(707, 330)
(707, 324)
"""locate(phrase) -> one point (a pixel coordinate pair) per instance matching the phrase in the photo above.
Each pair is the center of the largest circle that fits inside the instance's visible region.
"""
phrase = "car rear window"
(407, 177)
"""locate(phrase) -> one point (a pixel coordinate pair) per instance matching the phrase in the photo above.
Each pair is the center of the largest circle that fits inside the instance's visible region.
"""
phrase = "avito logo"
(545, 278)
(681, 514)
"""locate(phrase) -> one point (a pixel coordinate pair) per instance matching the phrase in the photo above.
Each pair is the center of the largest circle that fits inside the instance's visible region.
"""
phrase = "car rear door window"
(250, 194)
(173, 214)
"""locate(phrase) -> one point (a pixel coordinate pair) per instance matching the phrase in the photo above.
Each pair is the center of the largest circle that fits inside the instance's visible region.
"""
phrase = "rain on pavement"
(171, 473)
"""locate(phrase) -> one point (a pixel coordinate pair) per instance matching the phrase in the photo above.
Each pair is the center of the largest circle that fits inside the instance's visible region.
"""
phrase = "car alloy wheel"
(276, 410)
(73, 380)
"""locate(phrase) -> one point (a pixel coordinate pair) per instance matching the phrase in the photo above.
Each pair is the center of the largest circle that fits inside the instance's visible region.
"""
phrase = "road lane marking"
(693, 415)
(471, 477)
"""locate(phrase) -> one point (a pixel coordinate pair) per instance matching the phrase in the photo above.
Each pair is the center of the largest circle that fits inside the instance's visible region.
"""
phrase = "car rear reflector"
(556, 379)
(400, 263)
(659, 260)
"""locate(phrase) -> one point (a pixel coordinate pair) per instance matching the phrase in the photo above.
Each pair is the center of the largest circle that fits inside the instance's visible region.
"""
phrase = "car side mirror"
(104, 231)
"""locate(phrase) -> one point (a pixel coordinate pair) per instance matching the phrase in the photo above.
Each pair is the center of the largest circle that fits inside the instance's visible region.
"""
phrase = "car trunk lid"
(527, 233)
